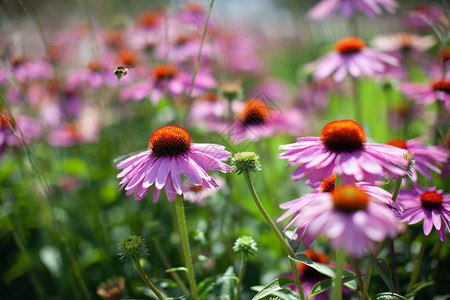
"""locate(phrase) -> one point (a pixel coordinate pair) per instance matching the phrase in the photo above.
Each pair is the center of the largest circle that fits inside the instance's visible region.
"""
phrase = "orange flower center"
(442, 85)
(431, 200)
(343, 135)
(197, 188)
(349, 199)
(18, 60)
(95, 66)
(315, 257)
(170, 141)
(149, 19)
(194, 8)
(398, 144)
(210, 97)
(165, 72)
(126, 57)
(254, 113)
(328, 184)
(349, 45)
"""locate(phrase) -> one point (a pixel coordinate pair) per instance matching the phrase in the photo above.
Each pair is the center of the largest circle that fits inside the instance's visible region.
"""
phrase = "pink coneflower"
(426, 157)
(148, 31)
(170, 79)
(430, 205)
(427, 93)
(95, 75)
(404, 42)
(342, 149)
(350, 218)
(256, 120)
(209, 112)
(351, 56)
(348, 8)
(420, 15)
(171, 153)
(198, 193)
(25, 69)
(297, 206)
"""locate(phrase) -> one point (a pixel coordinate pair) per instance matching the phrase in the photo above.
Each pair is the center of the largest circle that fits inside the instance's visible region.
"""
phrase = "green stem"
(415, 273)
(167, 264)
(181, 218)
(355, 266)
(277, 232)
(369, 272)
(337, 286)
(356, 100)
(147, 281)
(397, 185)
(241, 275)
(394, 266)
(338, 181)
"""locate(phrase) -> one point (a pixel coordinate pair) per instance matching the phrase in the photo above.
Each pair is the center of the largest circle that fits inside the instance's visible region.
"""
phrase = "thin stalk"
(394, 266)
(338, 181)
(277, 232)
(397, 185)
(197, 61)
(355, 266)
(337, 285)
(147, 281)
(166, 262)
(181, 218)
(357, 103)
(369, 272)
(241, 276)
(415, 273)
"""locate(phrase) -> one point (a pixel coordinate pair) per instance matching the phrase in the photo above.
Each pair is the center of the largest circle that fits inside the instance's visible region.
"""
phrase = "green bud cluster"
(133, 248)
(245, 244)
(246, 162)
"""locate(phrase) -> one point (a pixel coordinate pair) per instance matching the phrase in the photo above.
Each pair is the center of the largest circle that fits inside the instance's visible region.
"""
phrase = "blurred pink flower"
(297, 206)
(257, 120)
(350, 56)
(348, 8)
(427, 93)
(198, 194)
(430, 205)
(349, 217)
(426, 157)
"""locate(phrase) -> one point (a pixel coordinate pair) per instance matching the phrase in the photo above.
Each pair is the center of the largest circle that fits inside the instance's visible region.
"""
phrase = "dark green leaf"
(183, 269)
(418, 287)
(272, 287)
(284, 294)
(388, 296)
(385, 272)
(327, 284)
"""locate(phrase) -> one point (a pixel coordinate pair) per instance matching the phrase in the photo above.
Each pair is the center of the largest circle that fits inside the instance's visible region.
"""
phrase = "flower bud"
(246, 162)
(133, 248)
(245, 244)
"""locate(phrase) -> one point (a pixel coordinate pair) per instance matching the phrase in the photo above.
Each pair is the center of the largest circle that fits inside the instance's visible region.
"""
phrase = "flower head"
(112, 288)
(349, 217)
(246, 162)
(348, 8)
(430, 205)
(245, 244)
(426, 157)
(344, 202)
(351, 56)
(133, 248)
(171, 152)
(342, 149)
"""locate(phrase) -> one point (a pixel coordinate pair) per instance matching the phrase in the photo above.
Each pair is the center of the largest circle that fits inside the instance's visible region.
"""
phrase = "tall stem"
(147, 281)
(337, 285)
(185, 245)
(369, 272)
(355, 266)
(415, 273)
(241, 275)
(277, 232)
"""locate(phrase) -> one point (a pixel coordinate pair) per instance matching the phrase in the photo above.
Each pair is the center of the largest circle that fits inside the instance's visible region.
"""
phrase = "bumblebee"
(120, 72)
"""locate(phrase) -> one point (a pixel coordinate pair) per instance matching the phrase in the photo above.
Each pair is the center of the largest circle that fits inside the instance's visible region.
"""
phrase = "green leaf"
(284, 294)
(182, 269)
(227, 288)
(325, 270)
(272, 287)
(385, 272)
(418, 287)
(388, 296)
(327, 284)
